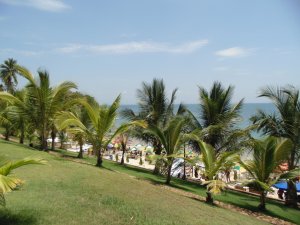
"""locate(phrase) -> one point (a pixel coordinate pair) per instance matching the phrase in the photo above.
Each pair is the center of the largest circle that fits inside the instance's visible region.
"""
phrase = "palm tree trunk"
(22, 137)
(123, 152)
(262, 205)
(99, 157)
(53, 136)
(80, 154)
(184, 175)
(209, 198)
(291, 160)
(169, 174)
(6, 134)
(44, 144)
(157, 148)
(123, 155)
(291, 194)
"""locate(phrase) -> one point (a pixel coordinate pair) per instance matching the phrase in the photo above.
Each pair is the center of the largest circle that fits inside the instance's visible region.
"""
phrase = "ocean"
(248, 110)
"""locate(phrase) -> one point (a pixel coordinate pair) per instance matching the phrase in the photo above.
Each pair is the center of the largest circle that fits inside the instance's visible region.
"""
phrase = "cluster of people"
(281, 194)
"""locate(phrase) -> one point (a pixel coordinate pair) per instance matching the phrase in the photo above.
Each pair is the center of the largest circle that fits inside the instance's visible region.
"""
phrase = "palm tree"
(43, 103)
(172, 138)
(19, 120)
(285, 122)
(124, 140)
(213, 164)
(7, 182)
(6, 122)
(82, 115)
(155, 108)
(99, 129)
(218, 117)
(63, 137)
(8, 74)
(268, 154)
(101, 119)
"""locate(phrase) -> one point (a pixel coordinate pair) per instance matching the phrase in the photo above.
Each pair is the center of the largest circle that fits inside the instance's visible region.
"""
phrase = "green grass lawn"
(65, 192)
(239, 199)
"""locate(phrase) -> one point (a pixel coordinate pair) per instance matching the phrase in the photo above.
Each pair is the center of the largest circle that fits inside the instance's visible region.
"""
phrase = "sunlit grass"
(65, 192)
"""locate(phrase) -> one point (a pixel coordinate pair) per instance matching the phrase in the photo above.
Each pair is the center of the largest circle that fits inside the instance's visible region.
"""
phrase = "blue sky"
(111, 47)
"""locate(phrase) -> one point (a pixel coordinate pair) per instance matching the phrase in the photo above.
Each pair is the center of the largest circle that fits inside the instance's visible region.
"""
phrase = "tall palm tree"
(268, 154)
(9, 183)
(82, 114)
(283, 123)
(43, 102)
(155, 108)
(218, 117)
(19, 120)
(124, 137)
(172, 138)
(8, 74)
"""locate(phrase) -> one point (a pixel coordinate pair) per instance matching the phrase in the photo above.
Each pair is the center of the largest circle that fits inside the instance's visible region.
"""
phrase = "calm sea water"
(248, 110)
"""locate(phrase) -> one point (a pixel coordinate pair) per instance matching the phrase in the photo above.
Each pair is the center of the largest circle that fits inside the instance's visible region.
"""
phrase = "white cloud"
(45, 5)
(19, 52)
(135, 47)
(234, 52)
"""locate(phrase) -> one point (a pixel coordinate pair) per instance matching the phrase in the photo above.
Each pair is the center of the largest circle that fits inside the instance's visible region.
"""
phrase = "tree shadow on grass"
(23, 218)
(106, 168)
(18, 144)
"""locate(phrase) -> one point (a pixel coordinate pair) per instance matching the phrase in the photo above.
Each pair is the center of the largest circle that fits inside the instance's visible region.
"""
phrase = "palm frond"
(7, 184)
(8, 167)
(291, 174)
(215, 186)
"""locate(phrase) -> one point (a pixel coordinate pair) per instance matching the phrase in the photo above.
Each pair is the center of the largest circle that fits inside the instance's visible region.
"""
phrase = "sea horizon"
(248, 110)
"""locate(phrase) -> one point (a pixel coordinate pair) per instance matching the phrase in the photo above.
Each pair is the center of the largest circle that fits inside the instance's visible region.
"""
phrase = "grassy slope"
(245, 201)
(65, 192)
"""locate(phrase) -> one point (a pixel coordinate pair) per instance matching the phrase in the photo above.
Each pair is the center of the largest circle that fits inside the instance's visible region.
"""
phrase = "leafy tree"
(5, 121)
(268, 154)
(8, 74)
(285, 122)
(124, 140)
(63, 137)
(213, 164)
(172, 138)
(82, 114)
(155, 108)
(101, 119)
(18, 119)
(7, 182)
(43, 102)
(218, 118)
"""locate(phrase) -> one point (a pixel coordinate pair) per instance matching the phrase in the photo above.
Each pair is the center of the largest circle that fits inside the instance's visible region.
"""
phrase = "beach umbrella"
(237, 167)
(110, 145)
(139, 147)
(149, 148)
(283, 185)
(133, 149)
